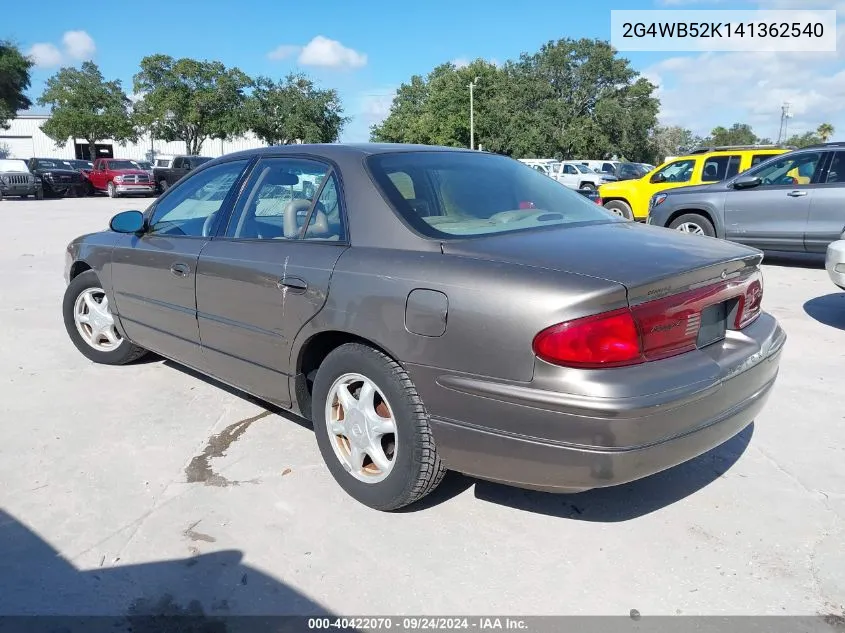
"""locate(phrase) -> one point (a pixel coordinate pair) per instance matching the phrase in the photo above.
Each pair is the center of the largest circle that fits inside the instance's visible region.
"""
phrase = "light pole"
(472, 114)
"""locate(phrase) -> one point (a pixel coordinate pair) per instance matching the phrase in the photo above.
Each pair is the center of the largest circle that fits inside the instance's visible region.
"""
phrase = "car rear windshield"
(467, 194)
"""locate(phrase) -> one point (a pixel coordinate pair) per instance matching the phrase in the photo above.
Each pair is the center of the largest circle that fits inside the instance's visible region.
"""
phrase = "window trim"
(225, 205)
(220, 232)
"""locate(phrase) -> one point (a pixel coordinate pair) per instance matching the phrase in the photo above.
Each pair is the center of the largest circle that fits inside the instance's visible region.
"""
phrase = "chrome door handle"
(180, 270)
(796, 194)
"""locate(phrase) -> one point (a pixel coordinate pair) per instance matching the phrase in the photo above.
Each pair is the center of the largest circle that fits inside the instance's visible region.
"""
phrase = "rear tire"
(620, 207)
(414, 469)
(588, 185)
(122, 351)
(693, 223)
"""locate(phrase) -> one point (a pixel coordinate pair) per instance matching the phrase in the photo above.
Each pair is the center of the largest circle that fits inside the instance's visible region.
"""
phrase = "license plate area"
(714, 324)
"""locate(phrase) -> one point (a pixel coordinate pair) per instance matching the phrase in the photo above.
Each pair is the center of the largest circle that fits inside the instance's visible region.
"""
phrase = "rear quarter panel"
(494, 309)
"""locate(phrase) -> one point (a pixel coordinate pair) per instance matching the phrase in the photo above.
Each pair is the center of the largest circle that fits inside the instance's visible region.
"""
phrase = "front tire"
(111, 190)
(620, 207)
(373, 430)
(163, 185)
(693, 223)
(90, 323)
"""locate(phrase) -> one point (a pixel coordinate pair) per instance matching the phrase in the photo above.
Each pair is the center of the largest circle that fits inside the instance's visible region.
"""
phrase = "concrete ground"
(126, 489)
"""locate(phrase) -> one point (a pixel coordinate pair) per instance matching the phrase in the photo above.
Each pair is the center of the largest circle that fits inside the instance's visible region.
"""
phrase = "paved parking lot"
(146, 486)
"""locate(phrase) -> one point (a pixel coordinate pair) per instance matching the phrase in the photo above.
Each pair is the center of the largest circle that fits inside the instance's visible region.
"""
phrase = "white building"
(24, 139)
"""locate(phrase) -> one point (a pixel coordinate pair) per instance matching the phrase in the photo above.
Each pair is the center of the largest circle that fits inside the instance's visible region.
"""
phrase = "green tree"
(571, 98)
(825, 131)
(737, 134)
(85, 105)
(803, 140)
(672, 140)
(14, 81)
(294, 110)
(190, 100)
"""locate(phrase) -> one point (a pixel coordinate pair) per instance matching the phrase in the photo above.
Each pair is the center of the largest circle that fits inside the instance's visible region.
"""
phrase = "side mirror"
(747, 182)
(127, 222)
(658, 178)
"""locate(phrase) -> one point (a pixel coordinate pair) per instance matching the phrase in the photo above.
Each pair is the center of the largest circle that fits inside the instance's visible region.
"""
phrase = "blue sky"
(365, 49)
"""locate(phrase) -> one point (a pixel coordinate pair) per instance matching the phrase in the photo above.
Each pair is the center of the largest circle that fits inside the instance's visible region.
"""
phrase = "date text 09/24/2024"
(407, 623)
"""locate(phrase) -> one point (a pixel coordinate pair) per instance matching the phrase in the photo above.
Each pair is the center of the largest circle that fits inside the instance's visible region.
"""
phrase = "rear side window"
(469, 194)
(836, 171)
(717, 168)
(759, 158)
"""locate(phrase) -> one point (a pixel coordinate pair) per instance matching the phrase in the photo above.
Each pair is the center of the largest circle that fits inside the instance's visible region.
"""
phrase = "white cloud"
(45, 55)
(375, 107)
(328, 53)
(460, 62)
(709, 89)
(284, 51)
(79, 45)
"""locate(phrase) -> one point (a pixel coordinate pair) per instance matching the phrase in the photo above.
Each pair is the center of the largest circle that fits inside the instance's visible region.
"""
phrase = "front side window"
(678, 171)
(276, 203)
(189, 206)
(464, 194)
(788, 170)
(570, 169)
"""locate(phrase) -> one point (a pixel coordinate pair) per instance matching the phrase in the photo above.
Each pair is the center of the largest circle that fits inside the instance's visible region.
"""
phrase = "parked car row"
(60, 177)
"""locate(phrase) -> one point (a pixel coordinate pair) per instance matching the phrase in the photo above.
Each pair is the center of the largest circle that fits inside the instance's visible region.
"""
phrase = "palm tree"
(825, 131)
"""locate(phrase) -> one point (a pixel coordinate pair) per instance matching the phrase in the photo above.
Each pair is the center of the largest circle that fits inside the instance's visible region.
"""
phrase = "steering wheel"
(206, 226)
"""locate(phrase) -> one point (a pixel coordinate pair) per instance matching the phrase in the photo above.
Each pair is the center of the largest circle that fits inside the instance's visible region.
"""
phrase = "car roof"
(732, 152)
(331, 150)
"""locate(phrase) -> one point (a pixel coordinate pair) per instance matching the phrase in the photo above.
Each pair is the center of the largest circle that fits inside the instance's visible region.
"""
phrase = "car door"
(774, 214)
(153, 274)
(178, 170)
(96, 176)
(569, 176)
(265, 276)
(827, 206)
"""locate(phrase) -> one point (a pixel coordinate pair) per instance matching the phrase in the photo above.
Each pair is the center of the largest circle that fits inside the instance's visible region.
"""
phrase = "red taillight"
(599, 201)
(750, 302)
(604, 340)
(648, 331)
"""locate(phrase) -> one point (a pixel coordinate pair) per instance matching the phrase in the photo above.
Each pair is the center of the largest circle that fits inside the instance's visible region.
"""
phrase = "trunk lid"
(651, 262)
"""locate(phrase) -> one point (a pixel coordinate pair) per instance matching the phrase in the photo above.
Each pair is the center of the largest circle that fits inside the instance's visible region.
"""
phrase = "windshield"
(142, 164)
(81, 164)
(122, 164)
(52, 164)
(11, 164)
(584, 169)
(464, 194)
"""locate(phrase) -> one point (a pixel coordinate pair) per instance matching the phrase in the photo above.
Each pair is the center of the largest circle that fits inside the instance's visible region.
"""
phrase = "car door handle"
(796, 194)
(180, 270)
(293, 284)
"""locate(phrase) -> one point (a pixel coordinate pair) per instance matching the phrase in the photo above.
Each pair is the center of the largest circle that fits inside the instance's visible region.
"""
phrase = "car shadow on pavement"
(794, 260)
(626, 501)
(205, 593)
(828, 309)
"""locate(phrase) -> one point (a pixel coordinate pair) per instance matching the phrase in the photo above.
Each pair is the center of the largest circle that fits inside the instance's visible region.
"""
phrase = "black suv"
(790, 202)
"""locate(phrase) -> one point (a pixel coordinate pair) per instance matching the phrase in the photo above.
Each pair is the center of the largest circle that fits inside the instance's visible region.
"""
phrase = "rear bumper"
(537, 438)
(835, 263)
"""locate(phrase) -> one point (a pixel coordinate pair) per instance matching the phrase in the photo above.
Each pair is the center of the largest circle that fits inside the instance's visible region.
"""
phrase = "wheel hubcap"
(617, 212)
(94, 320)
(361, 428)
(690, 227)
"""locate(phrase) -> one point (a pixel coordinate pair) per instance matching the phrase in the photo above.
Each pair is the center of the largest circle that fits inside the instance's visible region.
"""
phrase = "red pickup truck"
(118, 177)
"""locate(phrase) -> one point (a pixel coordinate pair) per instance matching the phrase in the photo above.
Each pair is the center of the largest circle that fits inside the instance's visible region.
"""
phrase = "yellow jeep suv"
(629, 198)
